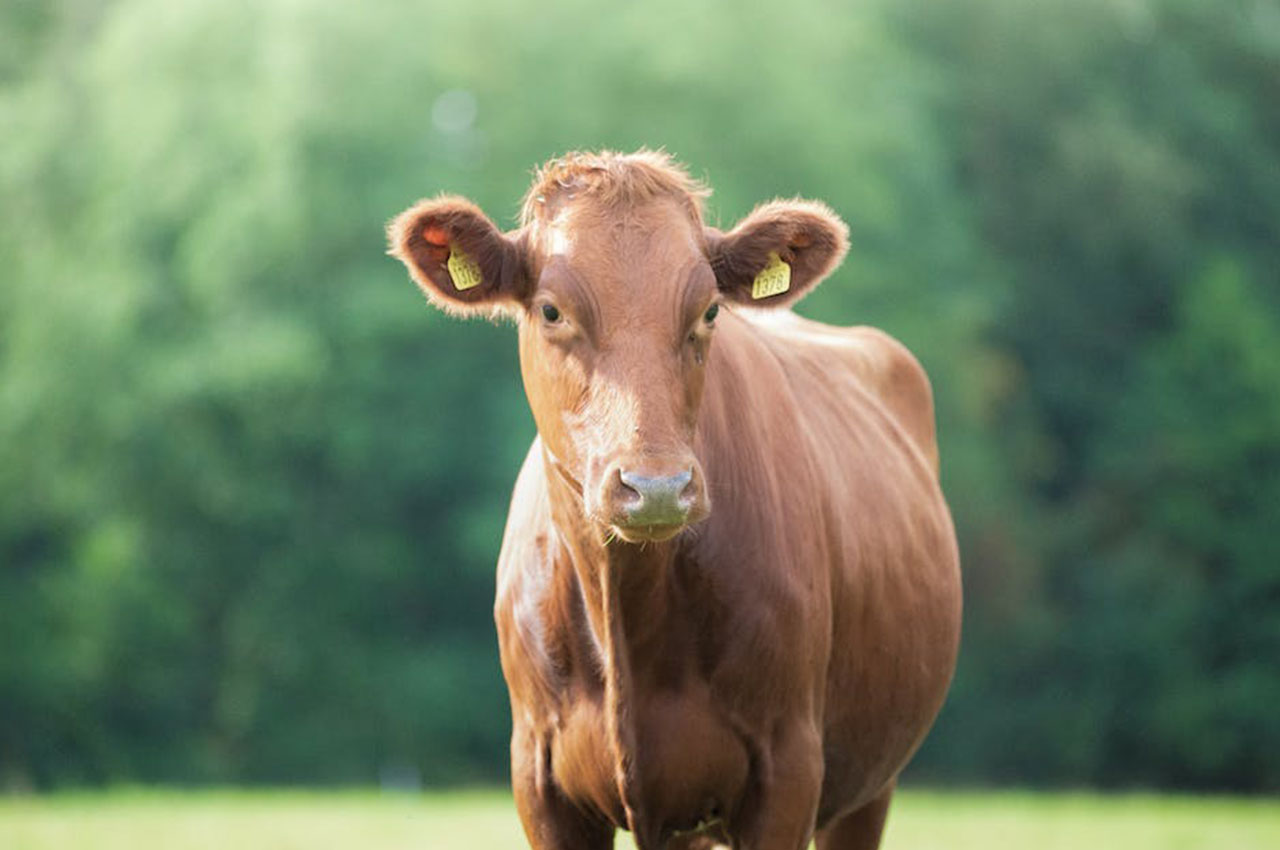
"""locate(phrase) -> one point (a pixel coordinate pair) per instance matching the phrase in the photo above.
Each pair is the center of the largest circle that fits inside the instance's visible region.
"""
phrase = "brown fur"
(762, 674)
(612, 180)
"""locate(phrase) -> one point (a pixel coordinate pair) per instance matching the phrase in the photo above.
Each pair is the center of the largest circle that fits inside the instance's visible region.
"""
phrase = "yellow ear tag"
(775, 278)
(463, 270)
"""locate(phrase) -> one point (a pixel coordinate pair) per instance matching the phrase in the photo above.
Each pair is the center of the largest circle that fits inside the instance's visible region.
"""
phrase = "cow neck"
(619, 581)
(624, 592)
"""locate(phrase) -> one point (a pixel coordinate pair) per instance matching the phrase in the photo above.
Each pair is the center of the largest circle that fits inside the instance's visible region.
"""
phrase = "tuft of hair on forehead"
(615, 179)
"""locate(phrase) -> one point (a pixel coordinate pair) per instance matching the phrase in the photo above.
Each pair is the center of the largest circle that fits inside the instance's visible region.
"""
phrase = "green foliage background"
(252, 487)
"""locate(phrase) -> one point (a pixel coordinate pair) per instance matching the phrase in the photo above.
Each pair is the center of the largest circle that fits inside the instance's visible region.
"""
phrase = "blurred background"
(252, 487)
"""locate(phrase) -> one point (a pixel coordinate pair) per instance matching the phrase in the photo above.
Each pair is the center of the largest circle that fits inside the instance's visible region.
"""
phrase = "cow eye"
(712, 312)
(550, 313)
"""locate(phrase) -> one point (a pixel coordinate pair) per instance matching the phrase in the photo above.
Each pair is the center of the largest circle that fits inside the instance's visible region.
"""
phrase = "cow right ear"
(459, 258)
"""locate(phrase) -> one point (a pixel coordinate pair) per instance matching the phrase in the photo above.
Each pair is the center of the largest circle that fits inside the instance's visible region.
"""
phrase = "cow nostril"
(688, 493)
(628, 494)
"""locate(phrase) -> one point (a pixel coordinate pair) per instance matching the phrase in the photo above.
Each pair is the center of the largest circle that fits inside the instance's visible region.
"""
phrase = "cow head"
(616, 286)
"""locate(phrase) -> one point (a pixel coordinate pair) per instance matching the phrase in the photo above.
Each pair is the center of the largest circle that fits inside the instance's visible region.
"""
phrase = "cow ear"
(777, 253)
(459, 258)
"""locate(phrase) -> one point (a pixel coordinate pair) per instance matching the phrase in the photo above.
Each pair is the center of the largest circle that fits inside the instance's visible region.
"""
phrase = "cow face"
(617, 288)
(613, 347)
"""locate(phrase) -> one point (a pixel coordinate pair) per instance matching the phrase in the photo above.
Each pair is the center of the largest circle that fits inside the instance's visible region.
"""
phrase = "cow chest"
(687, 765)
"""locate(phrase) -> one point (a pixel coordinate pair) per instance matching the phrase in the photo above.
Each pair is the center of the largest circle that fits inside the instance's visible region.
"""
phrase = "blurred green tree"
(1125, 173)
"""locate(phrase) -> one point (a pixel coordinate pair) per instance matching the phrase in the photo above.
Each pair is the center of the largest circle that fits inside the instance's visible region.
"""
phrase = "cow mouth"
(646, 533)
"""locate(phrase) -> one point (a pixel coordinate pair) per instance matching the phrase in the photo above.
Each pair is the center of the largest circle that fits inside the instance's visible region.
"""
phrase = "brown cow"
(728, 596)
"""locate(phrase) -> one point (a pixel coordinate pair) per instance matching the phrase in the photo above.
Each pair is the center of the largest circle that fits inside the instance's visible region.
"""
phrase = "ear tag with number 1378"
(774, 278)
(464, 270)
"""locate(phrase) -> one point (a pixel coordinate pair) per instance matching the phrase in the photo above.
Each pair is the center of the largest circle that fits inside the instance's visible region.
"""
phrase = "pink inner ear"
(436, 236)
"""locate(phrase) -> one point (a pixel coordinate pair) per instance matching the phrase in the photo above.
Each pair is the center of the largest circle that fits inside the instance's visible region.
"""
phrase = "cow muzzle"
(643, 504)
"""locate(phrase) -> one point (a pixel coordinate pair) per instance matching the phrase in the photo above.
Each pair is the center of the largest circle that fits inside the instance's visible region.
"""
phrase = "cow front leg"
(861, 829)
(779, 810)
(550, 821)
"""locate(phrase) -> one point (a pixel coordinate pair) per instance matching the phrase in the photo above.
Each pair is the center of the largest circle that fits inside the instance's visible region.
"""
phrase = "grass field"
(486, 821)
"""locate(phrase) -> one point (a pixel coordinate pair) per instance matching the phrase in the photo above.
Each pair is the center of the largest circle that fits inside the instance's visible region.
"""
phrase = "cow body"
(728, 598)
(802, 637)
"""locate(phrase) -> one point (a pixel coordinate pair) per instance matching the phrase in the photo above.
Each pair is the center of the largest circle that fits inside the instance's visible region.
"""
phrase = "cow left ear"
(779, 252)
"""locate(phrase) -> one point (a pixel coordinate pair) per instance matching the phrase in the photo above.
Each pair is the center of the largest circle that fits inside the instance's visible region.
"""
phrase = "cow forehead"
(623, 253)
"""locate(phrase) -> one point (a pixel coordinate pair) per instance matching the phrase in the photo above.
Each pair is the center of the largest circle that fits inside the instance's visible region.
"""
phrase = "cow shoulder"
(525, 583)
(893, 373)
(880, 365)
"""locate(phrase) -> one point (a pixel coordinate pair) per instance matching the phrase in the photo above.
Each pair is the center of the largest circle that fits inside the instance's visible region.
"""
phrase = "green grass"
(487, 821)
